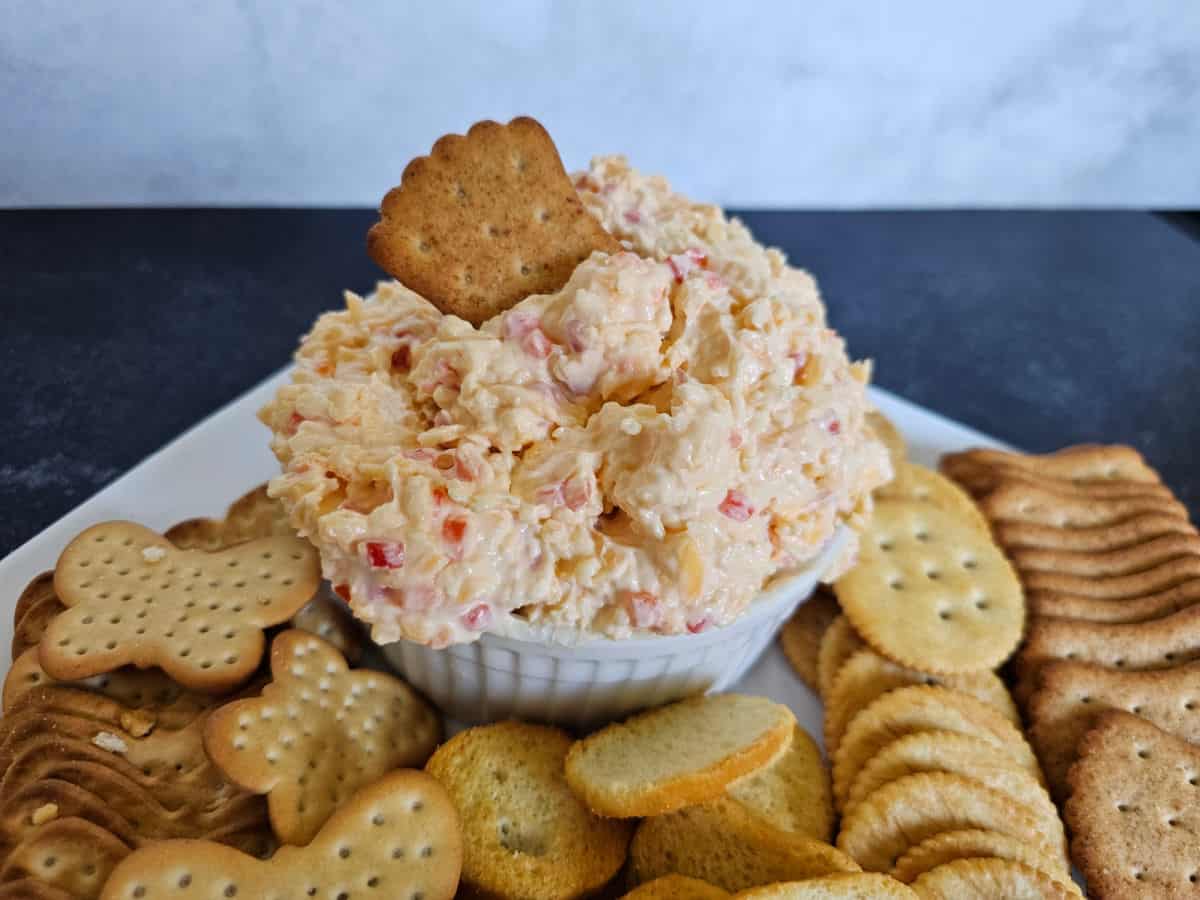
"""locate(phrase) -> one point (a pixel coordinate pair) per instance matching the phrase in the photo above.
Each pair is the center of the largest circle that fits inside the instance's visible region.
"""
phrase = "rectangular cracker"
(1134, 609)
(1020, 502)
(1107, 563)
(1080, 464)
(1118, 587)
(1014, 536)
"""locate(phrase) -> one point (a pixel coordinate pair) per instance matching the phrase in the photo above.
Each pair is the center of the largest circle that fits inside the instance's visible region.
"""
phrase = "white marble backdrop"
(769, 103)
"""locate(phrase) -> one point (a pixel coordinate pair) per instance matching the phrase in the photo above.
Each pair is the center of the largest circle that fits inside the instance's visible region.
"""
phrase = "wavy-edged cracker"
(677, 755)
(319, 732)
(917, 484)
(1136, 646)
(1161, 577)
(990, 879)
(1072, 695)
(931, 594)
(903, 813)
(1086, 465)
(922, 708)
(887, 432)
(36, 608)
(731, 851)
(1035, 505)
(1126, 610)
(70, 854)
(838, 644)
(1108, 563)
(485, 221)
(1133, 810)
(965, 755)
(133, 598)
(253, 515)
(801, 635)
(33, 889)
(978, 844)
(525, 834)
(850, 886)
(399, 836)
(867, 675)
(676, 887)
(792, 794)
(1132, 532)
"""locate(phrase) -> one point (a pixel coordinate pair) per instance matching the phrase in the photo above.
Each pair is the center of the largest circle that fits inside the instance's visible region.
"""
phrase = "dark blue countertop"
(122, 328)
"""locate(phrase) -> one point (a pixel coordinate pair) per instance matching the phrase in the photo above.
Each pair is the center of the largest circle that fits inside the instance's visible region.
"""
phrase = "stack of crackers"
(1111, 569)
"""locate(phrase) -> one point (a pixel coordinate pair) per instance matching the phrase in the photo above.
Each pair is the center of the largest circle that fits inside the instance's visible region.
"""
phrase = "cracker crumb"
(153, 554)
(44, 814)
(631, 426)
(106, 740)
(137, 723)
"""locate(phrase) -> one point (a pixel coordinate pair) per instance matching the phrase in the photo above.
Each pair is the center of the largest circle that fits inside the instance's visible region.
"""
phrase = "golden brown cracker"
(1072, 695)
(133, 598)
(847, 886)
(525, 834)
(485, 221)
(838, 644)
(676, 887)
(1125, 610)
(978, 844)
(902, 814)
(399, 834)
(1158, 578)
(134, 687)
(1132, 532)
(990, 879)
(932, 594)
(318, 733)
(253, 515)
(33, 889)
(1035, 505)
(917, 484)
(37, 607)
(801, 635)
(72, 855)
(1082, 464)
(1107, 564)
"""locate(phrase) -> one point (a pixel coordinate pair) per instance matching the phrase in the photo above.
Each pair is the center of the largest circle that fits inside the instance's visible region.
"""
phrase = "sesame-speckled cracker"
(485, 221)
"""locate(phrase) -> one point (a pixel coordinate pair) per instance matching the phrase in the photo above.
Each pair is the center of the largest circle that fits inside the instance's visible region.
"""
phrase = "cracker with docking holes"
(922, 708)
(1132, 532)
(398, 837)
(676, 887)
(801, 635)
(731, 851)
(838, 644)
(978, 844)
(958, 754)
(792, 794)
(1125, 610)
(990, 879)
(1107, 563)
(525, 834)
(1161, 577)
(931, 594)
(485, 221)
(850, 886)
(1072, 695)
(902, 814)
(319, 732)
(1085, 465)
(32, 889)
(1035, 505)
(889, 434)
(867, 676)
(72, 855)
(36, 608)
(677, 755)
(1133, 811)
(916, 484)
(133, 598)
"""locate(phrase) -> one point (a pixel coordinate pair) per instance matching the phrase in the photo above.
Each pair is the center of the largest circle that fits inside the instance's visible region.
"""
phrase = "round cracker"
(976, 844)
(989, 879)
(922, 708)
(917, 484)
(932, 594)
(889, 435)
(525, 833)
(959, 754)
(838, 644)
(852, 886)
(867, 676)
(801, 636)
(900, 815)
(676, 887)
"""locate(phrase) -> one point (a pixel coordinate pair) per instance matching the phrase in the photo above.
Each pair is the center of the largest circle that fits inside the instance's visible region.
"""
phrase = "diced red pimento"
(477, 617)
(642, 608)
(402, 358)
(385, 554)
(736, 506)
(454, 529)
(633, 217)
(834, 427)
(683, 263)
(343, 591)
(464, 470)
(294, 422)
(440, 496)
(698, 625)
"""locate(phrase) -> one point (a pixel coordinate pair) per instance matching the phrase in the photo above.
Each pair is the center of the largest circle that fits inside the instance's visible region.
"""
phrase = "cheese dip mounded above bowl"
(601, 498)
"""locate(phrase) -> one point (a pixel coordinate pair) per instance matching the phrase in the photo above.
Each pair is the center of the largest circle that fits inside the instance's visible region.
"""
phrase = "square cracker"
(485, 221)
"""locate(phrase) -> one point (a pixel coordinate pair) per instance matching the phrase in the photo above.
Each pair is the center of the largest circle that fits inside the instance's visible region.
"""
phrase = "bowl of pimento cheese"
(601, 498)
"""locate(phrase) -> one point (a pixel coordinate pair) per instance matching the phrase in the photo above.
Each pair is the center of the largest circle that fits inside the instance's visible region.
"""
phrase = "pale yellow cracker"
(889, 434)
(989, 879)
(932, 594)
(676, 887)
(838, 644)
(902, 814)
(319, 732)
(526, 836)
(916, 484)
(398, 837)
(851, 886)
(677, 755)
(134, 598)
(978, 844)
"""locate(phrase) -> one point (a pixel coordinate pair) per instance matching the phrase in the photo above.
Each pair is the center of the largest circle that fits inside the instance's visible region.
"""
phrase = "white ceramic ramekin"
(599, 679)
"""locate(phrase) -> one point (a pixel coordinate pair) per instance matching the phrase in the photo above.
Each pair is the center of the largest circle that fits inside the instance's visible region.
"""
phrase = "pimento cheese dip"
(639, 453)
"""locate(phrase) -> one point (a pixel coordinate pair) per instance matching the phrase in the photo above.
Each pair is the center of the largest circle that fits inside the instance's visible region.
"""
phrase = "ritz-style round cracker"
(932, 594)
(801, 635)
(990, 879)
(838, 644)
(849, 886)
(526, 836)
(867, 676)
(319, 732)
(922, 708)
(485, 220)
(134, 598)
(902, 814)
(978, 844)
(398, 837)
(916, 484)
